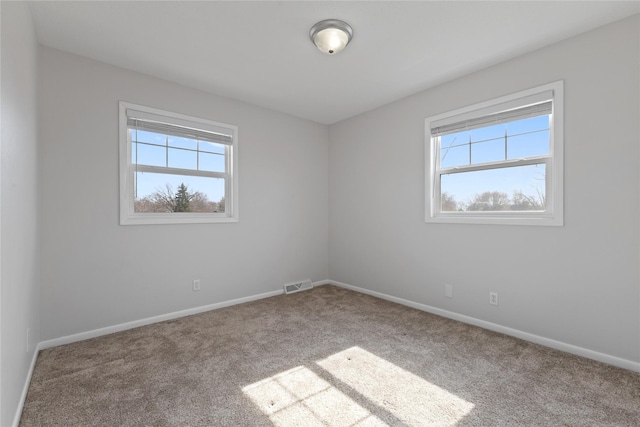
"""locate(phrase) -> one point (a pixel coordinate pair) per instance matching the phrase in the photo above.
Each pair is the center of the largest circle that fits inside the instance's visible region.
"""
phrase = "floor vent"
(298, 286)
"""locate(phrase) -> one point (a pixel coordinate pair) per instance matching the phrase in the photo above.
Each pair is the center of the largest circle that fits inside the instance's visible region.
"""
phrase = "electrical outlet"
(448, 290)
(196, 285)
(493, 298)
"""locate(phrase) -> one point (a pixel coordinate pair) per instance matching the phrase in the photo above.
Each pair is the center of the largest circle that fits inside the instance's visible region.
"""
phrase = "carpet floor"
(326, 357)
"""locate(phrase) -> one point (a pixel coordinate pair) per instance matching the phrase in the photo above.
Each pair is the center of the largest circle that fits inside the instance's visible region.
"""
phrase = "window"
(175, 168)
(498, 162)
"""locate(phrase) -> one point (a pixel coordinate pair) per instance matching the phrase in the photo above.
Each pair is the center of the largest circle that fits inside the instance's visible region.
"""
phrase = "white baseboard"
(150, 320)
(130, 325)
(123, 327)
(155, 319)
(25, 388)
(547, 342)
(601, 357)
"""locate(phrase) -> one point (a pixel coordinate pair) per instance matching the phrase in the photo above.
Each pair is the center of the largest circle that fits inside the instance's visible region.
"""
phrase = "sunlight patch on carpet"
(300, 397)
(410, 398)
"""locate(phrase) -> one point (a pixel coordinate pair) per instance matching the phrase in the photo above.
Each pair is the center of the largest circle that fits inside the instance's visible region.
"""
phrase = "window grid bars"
(470, 142)
(506, 144)
(154, 169)
(167, 147)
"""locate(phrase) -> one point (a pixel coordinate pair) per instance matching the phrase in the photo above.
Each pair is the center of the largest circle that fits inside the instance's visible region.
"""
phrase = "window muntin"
(505, 141)
(498, 162)
(165, 150)
(175, 168)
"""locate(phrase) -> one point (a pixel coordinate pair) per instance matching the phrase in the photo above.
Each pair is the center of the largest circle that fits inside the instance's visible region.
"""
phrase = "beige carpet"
(322, 357)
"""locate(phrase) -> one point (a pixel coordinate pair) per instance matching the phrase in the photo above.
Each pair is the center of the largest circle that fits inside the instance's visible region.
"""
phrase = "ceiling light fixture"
(331, 35)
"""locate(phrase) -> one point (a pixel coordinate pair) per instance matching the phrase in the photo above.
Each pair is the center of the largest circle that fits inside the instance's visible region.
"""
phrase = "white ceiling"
(260, 52)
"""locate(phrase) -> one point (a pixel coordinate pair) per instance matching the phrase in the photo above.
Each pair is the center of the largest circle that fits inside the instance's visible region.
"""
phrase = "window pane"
(520, 188)
(528, 145)
(454, 149)
(212, 162)
(528, 125)
(491, 150)
(524, 138)
(211, 147)
(488, 132)
(158, 192)
(528, 137)
(178, 142)
(151, 155)
(184, 159)
(148, 137)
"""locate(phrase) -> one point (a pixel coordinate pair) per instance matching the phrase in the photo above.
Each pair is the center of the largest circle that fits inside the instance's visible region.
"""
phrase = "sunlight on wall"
(301, 397)
(411, 399)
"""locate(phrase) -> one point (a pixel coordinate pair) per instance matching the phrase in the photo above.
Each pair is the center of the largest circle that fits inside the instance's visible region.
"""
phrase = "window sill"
(493, 219)
(157, 219)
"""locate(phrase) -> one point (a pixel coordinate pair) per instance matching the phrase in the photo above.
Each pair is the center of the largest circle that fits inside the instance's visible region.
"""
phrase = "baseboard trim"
(558, 345)
(155, 319)
(130, 325)
(25, 388)
(537, 339)
(160, 318)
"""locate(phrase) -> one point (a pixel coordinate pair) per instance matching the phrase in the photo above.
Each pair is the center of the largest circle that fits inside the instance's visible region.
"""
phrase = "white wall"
(97, 273)
(19, 291)
(578, 284)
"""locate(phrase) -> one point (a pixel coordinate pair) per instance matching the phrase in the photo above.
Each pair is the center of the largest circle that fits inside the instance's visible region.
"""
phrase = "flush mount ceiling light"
(331, 35)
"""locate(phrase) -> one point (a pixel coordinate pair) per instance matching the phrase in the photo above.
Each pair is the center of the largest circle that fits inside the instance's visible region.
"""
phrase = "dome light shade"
(331, 35)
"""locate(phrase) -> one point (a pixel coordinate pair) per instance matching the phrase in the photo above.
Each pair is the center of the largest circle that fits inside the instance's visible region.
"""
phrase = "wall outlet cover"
(493, 298)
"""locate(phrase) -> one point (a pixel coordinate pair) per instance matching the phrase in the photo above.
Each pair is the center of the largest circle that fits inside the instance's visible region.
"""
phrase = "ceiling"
(260, 52)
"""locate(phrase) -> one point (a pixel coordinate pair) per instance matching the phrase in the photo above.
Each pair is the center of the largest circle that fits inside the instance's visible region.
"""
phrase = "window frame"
(553, 215)
(127, 214)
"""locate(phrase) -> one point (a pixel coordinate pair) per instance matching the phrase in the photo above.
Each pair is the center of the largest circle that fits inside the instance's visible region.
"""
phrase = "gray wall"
(97, 273)
(19, 290)
(577, 284)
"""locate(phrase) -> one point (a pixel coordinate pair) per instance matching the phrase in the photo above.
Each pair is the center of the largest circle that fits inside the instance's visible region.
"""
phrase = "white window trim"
(127, 214)
(554, 215)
